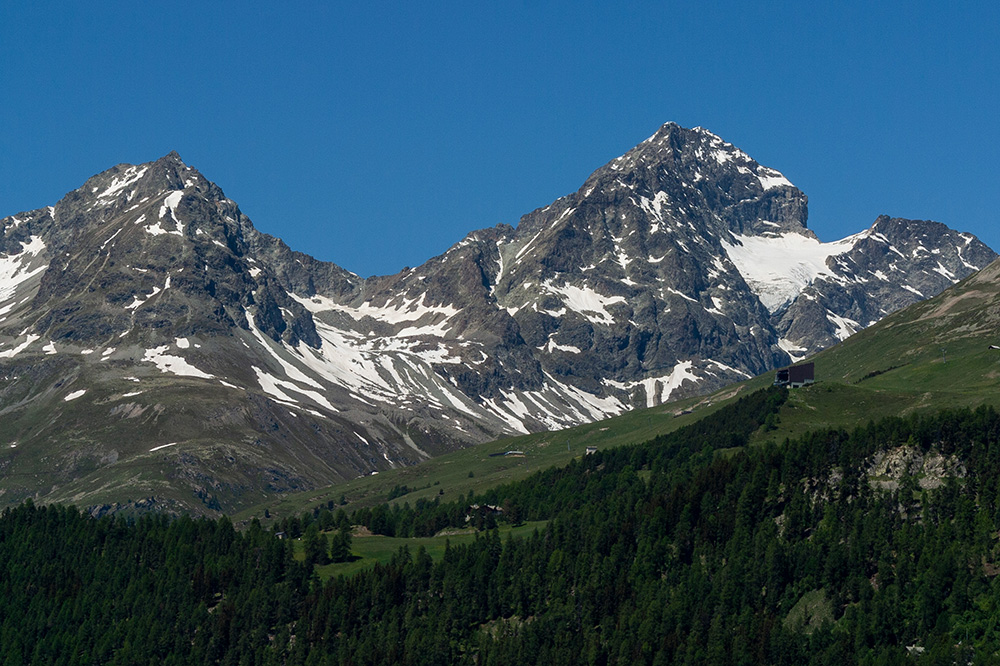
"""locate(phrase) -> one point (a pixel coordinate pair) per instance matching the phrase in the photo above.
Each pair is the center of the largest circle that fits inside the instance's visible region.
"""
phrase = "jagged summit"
(695, 170)
(143, 313)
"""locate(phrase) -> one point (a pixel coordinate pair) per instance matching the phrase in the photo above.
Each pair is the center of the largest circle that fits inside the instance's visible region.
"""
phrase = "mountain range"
(157, 349)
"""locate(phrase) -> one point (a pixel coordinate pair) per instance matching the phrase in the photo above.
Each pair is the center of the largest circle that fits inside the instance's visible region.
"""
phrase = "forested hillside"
(874, 546)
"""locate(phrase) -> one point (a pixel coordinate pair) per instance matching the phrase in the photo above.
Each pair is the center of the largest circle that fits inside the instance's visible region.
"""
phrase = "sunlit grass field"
(373, 548)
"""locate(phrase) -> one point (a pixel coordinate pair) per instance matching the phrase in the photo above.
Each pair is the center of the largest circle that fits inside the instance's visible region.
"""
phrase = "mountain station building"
(795, 376)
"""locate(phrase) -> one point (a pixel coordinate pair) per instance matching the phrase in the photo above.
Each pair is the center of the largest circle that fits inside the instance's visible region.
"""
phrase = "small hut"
(795, 376)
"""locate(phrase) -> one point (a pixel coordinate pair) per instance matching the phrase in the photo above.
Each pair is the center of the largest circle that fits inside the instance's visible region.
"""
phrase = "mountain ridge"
(938, 354)
(628, 292)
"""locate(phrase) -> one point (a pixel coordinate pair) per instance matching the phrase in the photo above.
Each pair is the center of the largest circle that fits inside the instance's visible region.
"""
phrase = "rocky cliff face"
(892, 264)
(153, 343)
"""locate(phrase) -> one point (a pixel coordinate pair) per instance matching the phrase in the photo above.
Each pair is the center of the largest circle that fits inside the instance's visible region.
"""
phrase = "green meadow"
(372, 549)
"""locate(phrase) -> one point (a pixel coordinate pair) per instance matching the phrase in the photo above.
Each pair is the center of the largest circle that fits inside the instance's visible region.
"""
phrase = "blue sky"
(375, 135)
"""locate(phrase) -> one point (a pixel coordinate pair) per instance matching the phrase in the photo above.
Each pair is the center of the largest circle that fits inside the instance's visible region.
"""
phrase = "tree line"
(692, 548)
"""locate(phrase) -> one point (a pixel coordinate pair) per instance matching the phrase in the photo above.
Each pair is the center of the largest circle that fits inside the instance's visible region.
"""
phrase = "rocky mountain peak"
(156, 250)
(694, 173)
(676, 268)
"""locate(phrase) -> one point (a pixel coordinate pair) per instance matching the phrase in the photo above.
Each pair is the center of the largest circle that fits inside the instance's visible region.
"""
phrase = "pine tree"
(340, 546)
(315, 545)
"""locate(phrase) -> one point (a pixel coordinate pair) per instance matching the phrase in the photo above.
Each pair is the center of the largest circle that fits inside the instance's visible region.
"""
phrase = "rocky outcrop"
(887, 469)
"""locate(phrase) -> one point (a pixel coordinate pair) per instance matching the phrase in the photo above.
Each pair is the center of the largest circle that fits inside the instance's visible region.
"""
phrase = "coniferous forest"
(693, 548)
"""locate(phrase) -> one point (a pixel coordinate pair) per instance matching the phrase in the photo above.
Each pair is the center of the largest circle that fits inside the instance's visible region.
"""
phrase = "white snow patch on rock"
(681, 294)
(273, 387)
(778, 268)
(136, 301)
(796, 352)
(176, 365)
(409, 310)
(162, 446)
(654, 208)
(10, 353)
(845, 327)
(668, 383)
(945, 272)
(769, 178)
(170, 202)
(169, 205)
(659, 389)
(586, 301)
(728, 368)
(18, 268)
(120, 182)
(290, 370)
(552, 346)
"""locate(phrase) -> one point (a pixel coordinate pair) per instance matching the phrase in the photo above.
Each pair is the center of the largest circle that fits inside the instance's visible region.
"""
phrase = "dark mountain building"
(795, 376)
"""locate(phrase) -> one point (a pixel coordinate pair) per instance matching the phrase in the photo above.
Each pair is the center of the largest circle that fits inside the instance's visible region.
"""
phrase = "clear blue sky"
(375, 135)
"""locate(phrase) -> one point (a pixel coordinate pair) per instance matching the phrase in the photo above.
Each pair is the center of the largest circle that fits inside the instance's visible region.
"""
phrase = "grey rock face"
(893, 264)
(183, 333)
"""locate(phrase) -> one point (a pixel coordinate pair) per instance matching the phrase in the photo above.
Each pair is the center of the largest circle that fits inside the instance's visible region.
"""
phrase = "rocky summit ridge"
(153, 343)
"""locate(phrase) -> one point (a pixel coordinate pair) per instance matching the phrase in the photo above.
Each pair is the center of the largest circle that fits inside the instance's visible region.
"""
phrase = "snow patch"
(778, 268)
(136, 301)
(290, 370)
(728, 368)
(586, 301)
(845, 327)
(273, 387)
(551, 346)
(409, 310)
(110, 238)
(681, 294)
(669, 383)
(944, 272)
(769, 178)
(74, 395)
(796, 352)
(11, 353)
(18, 268)
(120, 182)
(176, 365)
(170, 203)
(162, 446)
(654, 208)
(659, 389)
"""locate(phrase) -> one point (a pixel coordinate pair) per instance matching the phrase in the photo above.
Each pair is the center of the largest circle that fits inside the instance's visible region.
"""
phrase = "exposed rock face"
(143, 318)
(891, 265)
(887, 469)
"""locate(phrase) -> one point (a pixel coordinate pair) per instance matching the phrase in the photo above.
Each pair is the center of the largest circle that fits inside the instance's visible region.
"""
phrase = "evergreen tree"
(340, 546)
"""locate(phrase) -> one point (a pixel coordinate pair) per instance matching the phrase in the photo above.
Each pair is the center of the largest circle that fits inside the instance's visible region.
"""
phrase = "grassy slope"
(892, 368)
(930, 356)
(373, 548)
(448, 475)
